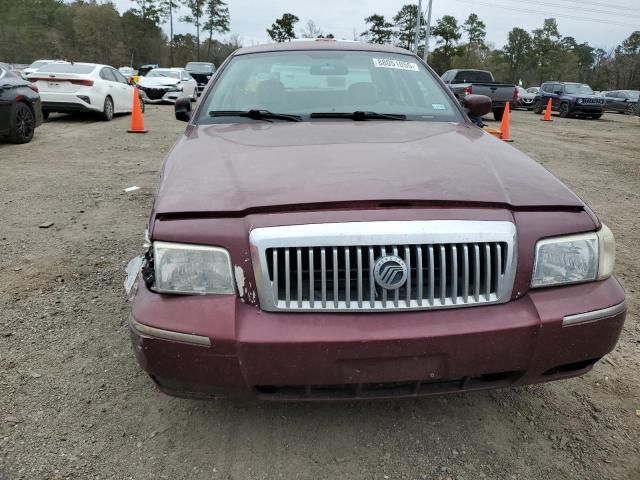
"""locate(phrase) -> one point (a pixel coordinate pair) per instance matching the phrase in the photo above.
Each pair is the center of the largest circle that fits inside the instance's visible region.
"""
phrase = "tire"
(537, 107)
(596, 117)
(107, 110)
(565, 112)
(22, 123)
(631, 110)
(497, 114)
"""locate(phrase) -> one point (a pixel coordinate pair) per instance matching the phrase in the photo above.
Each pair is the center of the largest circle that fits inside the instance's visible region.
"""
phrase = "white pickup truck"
(481, 82)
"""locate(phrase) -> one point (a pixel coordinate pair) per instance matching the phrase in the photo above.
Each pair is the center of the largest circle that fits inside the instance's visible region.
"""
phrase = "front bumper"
(160, 95)
(587, 109)
(218, 346)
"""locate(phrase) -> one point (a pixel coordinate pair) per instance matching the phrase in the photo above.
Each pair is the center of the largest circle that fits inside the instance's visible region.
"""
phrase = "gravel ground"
(74, 404)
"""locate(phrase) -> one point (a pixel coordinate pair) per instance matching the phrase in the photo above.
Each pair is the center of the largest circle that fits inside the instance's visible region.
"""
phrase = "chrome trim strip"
(384, 234)
(594, 315)
(168, 335)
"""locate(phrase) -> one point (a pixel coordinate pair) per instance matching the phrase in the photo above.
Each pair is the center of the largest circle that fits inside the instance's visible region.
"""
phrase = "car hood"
(231, 168)
(157, 81)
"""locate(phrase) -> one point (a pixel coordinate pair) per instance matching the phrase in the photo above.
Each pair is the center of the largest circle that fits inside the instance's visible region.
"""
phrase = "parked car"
(622, 101)
(202, 73)
(533, 90)
(481, 82)
(20, 109)
(570, 100)
(167, 85)
(83, 87)
(525, 99)
(331, 225)
(144, 69)
(128, 72)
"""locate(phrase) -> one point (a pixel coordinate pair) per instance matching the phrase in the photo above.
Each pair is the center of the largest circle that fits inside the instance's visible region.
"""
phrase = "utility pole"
(428, 32)
(418, 26)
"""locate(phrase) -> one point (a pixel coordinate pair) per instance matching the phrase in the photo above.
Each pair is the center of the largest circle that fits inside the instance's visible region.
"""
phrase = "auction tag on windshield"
(395, 64)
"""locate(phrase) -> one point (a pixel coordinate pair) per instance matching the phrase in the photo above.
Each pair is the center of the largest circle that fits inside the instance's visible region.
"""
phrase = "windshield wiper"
(360, 116)
(255, 115)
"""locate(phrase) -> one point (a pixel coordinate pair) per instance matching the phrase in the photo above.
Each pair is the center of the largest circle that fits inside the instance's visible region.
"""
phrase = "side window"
(106, 74)
(547, 88)
(558, 89)
(118, 76)
(446, 77)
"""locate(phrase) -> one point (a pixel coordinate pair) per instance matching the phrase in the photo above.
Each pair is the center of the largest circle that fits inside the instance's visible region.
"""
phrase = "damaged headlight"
(574, 259)
(192, 269)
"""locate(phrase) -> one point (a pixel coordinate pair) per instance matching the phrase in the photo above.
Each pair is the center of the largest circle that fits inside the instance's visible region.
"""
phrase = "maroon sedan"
(331, 225)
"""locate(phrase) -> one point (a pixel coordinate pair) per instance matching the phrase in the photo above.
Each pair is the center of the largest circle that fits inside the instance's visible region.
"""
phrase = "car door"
(6, 99)
(189, 84)
(546, 93)
(556, 95)
(111, 87)
(125, 91)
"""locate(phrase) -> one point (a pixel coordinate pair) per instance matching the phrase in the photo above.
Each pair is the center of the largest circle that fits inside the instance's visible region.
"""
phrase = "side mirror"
(477, 105)
(183, 109)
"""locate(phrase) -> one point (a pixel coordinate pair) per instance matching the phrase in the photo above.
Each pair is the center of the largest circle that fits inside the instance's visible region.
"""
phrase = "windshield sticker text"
(395, 64)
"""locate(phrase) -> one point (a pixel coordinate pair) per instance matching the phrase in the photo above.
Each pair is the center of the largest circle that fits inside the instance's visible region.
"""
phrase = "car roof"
(172, 69)
(320, 44)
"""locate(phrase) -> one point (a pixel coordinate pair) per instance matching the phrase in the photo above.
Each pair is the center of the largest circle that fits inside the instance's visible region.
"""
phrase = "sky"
(612, 20)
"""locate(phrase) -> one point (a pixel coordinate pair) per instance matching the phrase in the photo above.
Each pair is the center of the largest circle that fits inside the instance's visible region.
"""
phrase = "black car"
(622, 101)
(202, 73)
(20, 107)
(570, 100)
(144, 69)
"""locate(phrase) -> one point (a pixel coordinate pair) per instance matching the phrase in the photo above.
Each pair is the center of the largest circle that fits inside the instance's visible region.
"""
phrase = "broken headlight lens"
(192, 269)
(574, 259)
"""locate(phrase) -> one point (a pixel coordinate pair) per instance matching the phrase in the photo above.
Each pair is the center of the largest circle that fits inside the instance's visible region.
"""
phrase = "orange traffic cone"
(505, 125)
(547, 113)
(137, 123)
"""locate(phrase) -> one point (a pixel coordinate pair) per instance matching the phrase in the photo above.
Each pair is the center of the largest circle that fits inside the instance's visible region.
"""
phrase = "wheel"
(564, 110)
(497, 114)
(45, 114)
(23, 124)
(537, 107)
(596, 117)
(631, 109)
(107, 110)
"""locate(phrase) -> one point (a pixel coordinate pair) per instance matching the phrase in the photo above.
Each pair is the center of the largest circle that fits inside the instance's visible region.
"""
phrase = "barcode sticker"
(395, 64)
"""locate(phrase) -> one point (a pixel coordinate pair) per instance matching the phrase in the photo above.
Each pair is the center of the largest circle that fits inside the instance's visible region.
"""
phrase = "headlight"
(574, 259)
(192, 269)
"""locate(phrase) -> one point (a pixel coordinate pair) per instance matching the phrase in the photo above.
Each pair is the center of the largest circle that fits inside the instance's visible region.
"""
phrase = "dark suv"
(569, 99)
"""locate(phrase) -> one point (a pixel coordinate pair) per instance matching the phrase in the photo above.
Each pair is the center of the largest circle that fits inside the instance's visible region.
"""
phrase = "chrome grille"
(330, 267)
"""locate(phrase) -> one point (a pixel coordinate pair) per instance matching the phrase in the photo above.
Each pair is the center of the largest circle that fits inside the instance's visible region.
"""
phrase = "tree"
(447, 32)
(380, 31)
(405, 23)
(476, 31)
(545, 46)
(283, 28)
(311, 31)
(196, 11)
(217, 15)
(167, 8)
(517, 51)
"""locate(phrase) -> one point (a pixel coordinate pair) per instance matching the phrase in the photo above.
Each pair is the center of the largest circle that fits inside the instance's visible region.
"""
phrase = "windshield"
(581, 89)
(302, 83)
(633, 94)
(200, 67)
(39, 63)
(533, 90)
(473, 76)
(163, 73)
(67, 68)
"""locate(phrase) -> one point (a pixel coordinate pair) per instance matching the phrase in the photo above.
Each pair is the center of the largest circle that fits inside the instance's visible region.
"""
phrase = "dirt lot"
(74, 404)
